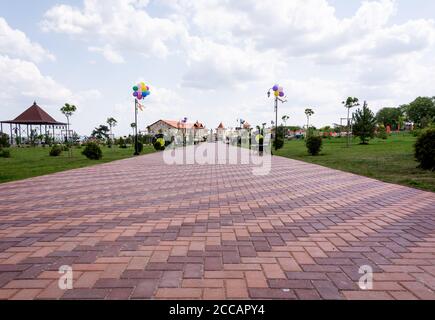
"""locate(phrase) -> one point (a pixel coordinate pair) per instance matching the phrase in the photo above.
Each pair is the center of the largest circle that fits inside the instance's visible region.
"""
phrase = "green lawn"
(389, 160)
(31, 162)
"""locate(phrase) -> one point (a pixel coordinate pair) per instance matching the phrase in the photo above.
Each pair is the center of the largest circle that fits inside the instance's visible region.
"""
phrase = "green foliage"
(139, 147)
(4, 140)
(351, 102)
(425, 149)
(159, 144)
(364, 124)
(121, 143)
(314, 145)
(278, 143)
(112, 122)
(390, 117)
(382, 132)
(56, 150)
(101, 133)
(5, 153)
(421, 111)
(68, 109)
(92, 151)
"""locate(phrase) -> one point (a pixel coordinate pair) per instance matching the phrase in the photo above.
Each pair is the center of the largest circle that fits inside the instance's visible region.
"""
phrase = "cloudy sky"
(213, 60)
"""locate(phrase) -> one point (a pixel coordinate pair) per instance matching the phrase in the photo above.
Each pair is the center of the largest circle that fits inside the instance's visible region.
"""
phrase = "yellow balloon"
(276, 93)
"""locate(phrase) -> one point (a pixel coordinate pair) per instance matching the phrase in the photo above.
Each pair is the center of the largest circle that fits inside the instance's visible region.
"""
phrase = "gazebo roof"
(35, 115)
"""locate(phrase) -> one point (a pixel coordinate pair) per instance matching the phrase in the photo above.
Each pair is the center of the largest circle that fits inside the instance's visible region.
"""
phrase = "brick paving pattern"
(140, 229)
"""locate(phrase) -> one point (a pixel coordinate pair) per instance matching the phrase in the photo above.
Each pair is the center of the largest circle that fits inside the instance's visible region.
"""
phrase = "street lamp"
(279, 96)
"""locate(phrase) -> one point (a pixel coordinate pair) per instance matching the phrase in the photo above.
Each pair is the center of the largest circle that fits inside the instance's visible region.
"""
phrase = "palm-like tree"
(350, 103)
(308, 112)
(68, 110)
(112, 123)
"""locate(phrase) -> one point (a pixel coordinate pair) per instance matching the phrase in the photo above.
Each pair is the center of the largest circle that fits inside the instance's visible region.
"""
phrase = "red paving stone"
(140, 229)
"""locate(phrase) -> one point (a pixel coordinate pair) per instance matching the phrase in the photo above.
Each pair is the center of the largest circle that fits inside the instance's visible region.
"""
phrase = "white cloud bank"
(242, 47)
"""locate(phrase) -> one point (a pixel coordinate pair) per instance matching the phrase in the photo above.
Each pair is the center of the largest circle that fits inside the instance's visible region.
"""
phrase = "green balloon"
(135, 88)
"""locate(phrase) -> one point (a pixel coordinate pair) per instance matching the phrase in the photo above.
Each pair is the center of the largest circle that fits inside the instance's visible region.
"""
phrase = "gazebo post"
(19, 128)
(27, 131)
(12, 139)
(54, 135)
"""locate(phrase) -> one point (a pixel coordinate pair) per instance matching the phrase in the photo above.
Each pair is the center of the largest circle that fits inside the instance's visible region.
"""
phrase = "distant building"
(171, 128)
(221, 132)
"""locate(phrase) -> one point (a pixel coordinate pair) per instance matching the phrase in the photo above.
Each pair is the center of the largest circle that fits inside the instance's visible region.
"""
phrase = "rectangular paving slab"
(142, 229)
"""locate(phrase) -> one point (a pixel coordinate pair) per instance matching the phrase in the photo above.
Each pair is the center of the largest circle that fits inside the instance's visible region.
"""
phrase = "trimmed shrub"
(4, 140)
(5, 153)
(56, 151)
(314, 145)
(382, 133)
(425, 149)
(92, 151)
(159, 144)
(278, 143)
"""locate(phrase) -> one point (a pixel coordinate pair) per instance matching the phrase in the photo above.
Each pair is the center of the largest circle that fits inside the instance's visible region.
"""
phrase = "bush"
(92, 151)
(139, 147)
(314, 145)
(382, 133)
(4, 140)
(425, 149)
(5, 153)
(159, 144)
(278, 144)
(416, 132)
(55, 151)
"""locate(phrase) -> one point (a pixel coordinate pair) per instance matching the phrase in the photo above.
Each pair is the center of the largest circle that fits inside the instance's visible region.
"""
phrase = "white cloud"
(108, 53)
(232, 51)
(113, 26)
(15, 42)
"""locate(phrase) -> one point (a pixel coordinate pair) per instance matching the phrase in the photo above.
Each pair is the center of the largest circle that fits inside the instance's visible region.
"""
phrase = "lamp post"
(279, 94)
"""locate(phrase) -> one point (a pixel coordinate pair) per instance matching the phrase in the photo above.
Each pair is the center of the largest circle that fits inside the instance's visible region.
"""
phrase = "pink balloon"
(139, 95)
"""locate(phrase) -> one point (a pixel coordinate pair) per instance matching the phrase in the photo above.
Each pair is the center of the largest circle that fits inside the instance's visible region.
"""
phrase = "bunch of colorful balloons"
(279, 91)
(141, 91)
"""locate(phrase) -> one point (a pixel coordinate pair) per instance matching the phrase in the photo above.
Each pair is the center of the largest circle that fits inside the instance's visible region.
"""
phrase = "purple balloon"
(275, 87)
(135, 94)
(281, 94)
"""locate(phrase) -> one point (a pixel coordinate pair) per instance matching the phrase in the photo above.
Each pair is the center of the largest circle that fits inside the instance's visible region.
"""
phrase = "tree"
(364, 124)
(351, 102)
(112, 123)
(284, 119)
(421, 111)
(68, 110)
(101, 133)
(308, 113)
(390, 117)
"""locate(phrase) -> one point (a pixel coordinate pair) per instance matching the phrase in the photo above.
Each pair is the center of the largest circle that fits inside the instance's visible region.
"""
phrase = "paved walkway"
(140, 229)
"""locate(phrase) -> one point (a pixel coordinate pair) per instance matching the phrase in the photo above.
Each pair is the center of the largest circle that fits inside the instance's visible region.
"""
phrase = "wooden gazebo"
(34, 118)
